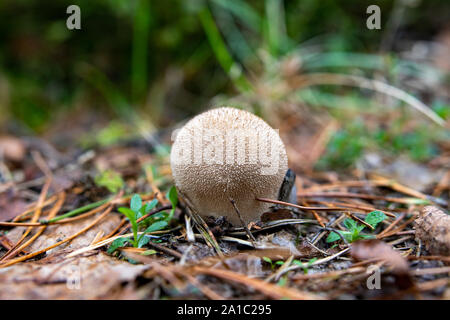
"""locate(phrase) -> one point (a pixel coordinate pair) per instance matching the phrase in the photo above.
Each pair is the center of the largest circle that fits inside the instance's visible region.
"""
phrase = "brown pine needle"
(352, 216)
(52, 213)
(359, 207)
(400, 228)
(67, 220)
(33, 207)
(353, 195)
(391, 226)
(210, 294)
(269, 289)
(300, 207)
(31, 255)
(44, 168)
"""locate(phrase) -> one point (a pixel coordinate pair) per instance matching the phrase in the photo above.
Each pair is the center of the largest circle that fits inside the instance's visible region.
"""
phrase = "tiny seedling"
(152, 223)
(306, 265)
(354, 229)
(269, 261)
(273, 264)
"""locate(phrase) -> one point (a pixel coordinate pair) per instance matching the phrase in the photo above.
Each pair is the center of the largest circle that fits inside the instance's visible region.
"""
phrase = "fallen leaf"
(58, 232)
(96, 276)
(373, 249)
(11, 206)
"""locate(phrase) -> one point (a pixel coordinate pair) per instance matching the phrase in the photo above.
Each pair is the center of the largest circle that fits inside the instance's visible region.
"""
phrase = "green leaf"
(375, 217)
(279, 263)
(297, 262)
(173, 198)
(149, 206)
(333, 236)
(267, 259)
(143, 240)
(130, 214)
(367, 236)
(136, 203)
(148, 252)
(158, 225)
(350, 224)
(118, 243)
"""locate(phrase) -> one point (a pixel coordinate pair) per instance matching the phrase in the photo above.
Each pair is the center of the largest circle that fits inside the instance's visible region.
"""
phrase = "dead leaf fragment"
(96, 276)
(433, 229)
(11, 206)
(378, 250)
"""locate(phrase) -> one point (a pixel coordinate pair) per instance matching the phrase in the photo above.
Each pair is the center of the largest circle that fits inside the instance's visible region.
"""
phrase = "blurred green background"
(166, 60)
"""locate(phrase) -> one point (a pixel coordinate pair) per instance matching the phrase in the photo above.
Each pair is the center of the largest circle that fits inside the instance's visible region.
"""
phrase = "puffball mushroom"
(228, 154)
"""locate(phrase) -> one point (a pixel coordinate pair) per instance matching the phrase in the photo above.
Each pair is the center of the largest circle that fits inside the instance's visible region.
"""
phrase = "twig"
(300, 207)
(359, 220)
(244, 225)
(391, 226)
(270, 290)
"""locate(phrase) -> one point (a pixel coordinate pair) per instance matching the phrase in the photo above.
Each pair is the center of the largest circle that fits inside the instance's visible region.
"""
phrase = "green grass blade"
(225, 59)
(139, 56)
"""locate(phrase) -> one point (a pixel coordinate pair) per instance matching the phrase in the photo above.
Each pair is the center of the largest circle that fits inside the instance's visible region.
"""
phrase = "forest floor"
(382, 234)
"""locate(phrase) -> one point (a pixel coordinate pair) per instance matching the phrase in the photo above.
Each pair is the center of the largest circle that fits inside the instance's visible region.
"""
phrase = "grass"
(249, 41)
(275, 46)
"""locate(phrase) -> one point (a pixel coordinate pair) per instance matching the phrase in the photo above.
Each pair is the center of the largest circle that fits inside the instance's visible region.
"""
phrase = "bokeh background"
(143, 66)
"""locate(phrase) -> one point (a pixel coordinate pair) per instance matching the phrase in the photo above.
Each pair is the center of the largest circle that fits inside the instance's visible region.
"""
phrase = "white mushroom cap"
(224, 154)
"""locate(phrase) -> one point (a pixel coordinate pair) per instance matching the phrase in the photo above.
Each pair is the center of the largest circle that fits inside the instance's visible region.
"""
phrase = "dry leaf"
(58, 232)
(11, 206)
(378, 250)
(96, 276)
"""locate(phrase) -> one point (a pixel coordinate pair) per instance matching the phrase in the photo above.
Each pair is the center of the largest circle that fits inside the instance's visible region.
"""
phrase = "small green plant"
(354, 229)
(110, 180)
(306, 265)
(273, 264)
(282, 282)
(152, 223)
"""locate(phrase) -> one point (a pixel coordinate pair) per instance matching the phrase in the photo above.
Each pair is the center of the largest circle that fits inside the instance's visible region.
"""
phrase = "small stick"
(359, 220)
(43, 195)
(53, 212)
(316, 215)
(355, 195)
(359, 207)
(392, 225)
(244, 225)
(400, 228)
(300, 207)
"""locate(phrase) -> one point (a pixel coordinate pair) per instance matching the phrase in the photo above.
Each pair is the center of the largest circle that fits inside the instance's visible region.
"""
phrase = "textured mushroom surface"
(224, 154)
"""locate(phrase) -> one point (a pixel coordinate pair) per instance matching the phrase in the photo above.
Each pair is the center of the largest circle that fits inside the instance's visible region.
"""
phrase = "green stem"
(76, 211)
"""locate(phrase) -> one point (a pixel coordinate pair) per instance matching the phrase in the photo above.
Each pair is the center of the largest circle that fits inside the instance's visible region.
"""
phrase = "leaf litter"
(361, 221)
